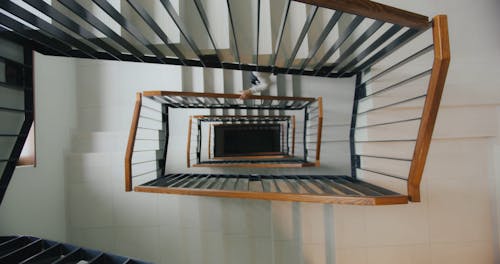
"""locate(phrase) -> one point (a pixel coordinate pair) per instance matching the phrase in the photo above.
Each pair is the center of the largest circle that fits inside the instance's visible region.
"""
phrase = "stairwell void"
(400, 60)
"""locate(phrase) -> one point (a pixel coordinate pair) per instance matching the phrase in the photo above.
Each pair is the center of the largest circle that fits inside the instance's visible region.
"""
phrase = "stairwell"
(217, 228)
(98, 209)
(173, 229)
(96, 200)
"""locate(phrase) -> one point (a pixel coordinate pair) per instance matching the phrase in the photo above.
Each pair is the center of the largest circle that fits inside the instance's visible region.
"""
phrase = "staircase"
(301, 41)
(226, 38)
(103, 141)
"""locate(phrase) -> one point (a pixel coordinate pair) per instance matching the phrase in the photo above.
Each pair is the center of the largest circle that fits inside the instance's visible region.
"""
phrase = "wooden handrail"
(320, 129)
(188, 150)
(228, 96)
(131, 142)
(431, 106)
(374, 10)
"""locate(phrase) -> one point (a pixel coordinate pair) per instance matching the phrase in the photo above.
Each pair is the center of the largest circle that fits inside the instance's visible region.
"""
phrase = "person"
(260, 82)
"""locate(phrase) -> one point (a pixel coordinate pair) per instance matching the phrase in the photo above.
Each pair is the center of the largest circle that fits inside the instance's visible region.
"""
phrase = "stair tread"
(306, 188)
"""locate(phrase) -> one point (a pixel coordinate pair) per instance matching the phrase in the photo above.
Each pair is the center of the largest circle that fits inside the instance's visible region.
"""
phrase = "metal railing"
(80, 30)
(16, 121)
(145, 156)
(313, 127)
(379, 30)
(395, 109)
(29, 249)
(150, 124)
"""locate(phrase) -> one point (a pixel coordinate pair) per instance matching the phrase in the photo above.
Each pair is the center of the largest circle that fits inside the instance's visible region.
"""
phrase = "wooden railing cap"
(442, 50)
(374, 10)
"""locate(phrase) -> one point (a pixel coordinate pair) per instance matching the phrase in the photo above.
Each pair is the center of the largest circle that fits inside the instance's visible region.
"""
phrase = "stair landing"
(297, 188)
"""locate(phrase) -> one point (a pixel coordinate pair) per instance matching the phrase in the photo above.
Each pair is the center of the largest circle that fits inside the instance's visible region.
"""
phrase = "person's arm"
(257, 88)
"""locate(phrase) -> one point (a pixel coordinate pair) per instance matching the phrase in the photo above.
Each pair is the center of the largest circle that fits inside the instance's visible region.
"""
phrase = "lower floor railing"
(299, 188)
(28, 249)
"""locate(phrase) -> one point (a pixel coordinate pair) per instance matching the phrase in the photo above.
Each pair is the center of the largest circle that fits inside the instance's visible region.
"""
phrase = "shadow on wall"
(106, 91)
(252, 231)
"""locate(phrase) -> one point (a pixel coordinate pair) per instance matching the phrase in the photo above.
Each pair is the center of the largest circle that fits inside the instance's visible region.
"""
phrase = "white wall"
(35, 200)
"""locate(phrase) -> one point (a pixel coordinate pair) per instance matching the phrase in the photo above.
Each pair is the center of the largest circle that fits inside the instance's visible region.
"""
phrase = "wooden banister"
(374, 10)
(431, 106)
(320, 129)
(131, 142)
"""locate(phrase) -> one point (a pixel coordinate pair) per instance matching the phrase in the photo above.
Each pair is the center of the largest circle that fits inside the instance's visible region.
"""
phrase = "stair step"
(11, 98)
(193, 79)
(260, 31)
(93, 142)
(295, 21)
(11, 122)
(329, 134)
(322, 18)
(157, 12)
(28, 249)
(97, 12)
(213, 82)
(305, 188)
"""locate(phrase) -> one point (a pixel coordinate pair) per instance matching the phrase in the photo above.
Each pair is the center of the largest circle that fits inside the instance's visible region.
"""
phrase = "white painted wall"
(35, 201)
